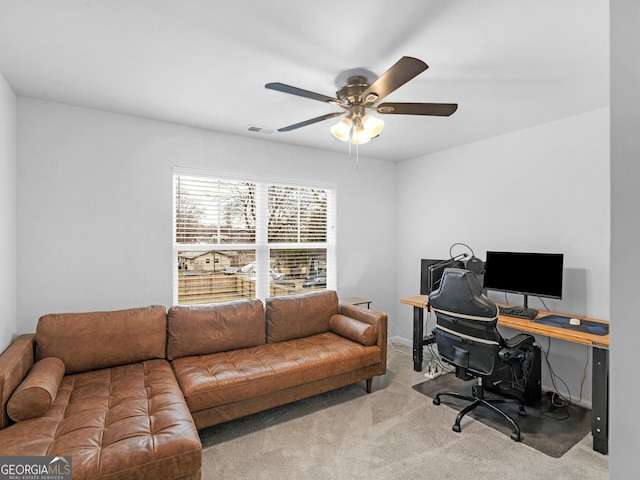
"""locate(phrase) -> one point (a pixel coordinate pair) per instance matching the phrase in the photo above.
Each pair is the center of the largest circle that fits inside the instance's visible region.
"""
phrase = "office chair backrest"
(466, 330)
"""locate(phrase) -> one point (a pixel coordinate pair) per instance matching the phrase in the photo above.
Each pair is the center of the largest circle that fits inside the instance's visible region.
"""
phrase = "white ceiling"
(509, 64)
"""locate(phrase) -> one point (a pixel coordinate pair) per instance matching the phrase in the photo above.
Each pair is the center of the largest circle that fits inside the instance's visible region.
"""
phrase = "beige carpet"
(392, 433)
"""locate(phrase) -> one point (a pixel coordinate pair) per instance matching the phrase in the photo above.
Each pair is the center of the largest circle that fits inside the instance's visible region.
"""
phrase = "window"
(250, 239)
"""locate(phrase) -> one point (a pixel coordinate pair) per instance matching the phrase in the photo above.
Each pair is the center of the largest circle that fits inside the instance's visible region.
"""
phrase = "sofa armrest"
(371, 317)
(15, 363)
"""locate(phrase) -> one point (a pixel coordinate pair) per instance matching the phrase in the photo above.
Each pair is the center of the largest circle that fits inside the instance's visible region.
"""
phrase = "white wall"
(625, 238)
(543, 189)
(95, 207)
(8, 167)
(94, 214)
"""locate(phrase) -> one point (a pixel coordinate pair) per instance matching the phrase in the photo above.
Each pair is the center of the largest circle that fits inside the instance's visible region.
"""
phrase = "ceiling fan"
(358, 96)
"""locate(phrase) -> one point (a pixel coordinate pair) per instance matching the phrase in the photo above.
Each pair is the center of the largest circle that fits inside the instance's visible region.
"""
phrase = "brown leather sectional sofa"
(124, 393)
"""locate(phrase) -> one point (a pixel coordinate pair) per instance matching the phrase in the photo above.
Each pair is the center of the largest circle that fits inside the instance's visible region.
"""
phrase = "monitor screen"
(431, 272)
(537, 274)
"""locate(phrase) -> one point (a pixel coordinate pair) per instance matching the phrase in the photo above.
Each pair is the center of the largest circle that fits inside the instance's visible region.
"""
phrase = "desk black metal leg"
(600, 400)
(418, 318)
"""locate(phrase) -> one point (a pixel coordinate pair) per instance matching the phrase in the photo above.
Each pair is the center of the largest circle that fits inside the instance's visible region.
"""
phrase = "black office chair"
(467, 337)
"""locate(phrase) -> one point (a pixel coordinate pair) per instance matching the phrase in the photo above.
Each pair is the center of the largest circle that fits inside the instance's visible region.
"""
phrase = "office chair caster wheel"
(522, 412)
(456, 428)
(436, 401)
(515, 436)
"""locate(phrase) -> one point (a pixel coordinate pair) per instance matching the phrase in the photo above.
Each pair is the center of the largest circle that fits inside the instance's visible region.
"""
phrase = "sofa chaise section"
(118, 410)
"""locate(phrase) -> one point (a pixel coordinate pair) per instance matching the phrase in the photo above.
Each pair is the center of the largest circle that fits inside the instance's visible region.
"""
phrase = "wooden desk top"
(417, 301)
(575, 336)
(524, 325)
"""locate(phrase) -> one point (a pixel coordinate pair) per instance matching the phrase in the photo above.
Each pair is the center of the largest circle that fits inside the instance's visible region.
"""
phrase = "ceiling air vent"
(254, 129)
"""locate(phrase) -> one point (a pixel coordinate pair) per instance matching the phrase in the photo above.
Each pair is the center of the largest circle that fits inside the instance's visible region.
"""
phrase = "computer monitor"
(537, 274)
(431, 272)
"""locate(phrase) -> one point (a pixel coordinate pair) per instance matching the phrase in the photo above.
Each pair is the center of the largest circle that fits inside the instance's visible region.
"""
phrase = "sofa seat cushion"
(129, 421)
(225, 377)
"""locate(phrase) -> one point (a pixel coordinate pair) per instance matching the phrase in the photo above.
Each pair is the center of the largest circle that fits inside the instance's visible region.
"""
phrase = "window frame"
(262, 246)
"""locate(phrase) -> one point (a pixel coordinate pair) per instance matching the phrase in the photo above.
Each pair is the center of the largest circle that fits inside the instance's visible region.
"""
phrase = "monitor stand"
(526, 304)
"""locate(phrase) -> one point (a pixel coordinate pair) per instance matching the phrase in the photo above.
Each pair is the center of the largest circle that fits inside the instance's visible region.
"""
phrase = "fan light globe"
(341, 129)
(359, 135)
(372, 125)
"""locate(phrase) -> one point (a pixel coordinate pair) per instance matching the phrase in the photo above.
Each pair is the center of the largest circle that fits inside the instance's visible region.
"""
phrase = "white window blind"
(297, 215)
(250, 239)
(210, 211)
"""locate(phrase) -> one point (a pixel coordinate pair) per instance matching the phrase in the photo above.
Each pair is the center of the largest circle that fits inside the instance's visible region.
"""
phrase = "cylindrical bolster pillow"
(36, 393)
(353, 329)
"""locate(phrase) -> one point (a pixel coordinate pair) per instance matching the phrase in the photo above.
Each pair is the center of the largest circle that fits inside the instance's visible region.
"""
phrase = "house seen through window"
(250, 239)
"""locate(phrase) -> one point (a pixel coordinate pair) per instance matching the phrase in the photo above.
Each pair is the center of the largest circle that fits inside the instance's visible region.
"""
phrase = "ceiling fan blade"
(400, 73)
(435, 109)
(281, 87)
(309, 122)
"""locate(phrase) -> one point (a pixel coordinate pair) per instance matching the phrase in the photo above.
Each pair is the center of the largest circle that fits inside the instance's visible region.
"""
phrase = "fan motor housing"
(352, 90)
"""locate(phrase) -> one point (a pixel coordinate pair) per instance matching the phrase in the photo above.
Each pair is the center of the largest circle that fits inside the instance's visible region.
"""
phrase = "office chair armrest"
(515, 344)
(519, 340)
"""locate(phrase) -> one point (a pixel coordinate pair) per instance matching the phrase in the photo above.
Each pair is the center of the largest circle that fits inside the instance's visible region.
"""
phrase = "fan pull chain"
(357, 149)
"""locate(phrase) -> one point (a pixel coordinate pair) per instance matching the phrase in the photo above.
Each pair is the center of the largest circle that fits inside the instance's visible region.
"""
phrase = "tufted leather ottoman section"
(123, 422)
(226, 377)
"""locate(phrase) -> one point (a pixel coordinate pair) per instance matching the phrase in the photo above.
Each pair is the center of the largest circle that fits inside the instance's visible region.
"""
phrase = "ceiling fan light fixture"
(372, 125)
(359, 135)
(342, 129)
(358, 95)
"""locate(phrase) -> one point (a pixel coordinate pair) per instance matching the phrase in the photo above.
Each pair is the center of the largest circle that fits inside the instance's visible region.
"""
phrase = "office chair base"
(476, 401)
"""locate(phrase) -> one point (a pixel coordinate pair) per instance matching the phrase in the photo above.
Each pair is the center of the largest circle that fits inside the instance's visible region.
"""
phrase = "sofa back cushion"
(297, 316)
(204, 329)
(15, 363)
(93, 340)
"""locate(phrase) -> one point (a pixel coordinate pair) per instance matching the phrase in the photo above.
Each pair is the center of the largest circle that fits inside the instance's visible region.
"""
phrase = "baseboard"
(401, 341)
